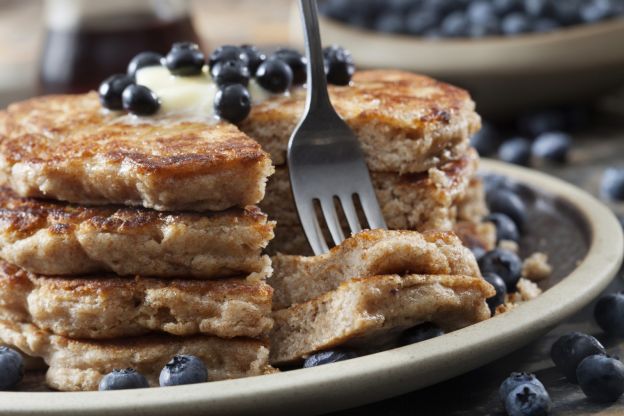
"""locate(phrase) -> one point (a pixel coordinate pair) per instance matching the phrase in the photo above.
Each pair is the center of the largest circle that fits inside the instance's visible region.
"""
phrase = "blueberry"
(509, 203)
(504, 263)
(517, 379)
(420, 333)
(506, 228)
(390, 22)
(609, 313)
(480, 11)
(185, 59)
(567, 12)
(144, 59)
(328, 357)
(601, 378)
(296, 61)
(544, 121)
(536, 8)
(274, 75)
(338, 64)
(528, 400)
(227, 53)
(486, 140)
(336, 9)
(478, 30)
(455, 25)
(11, 368)
(123, 379)
(183, 369)
(230, 72)
(478, 252)
(493, 184)
(569, 350)
(112, 88)
(232, 103)
(504, 7)
(254, 56)
(553, 146)
(140, 100)
(418, 22)
(516, 150)
(595, 10)
(501, 290)
(545, 24)
(612, 186)
(515, 24)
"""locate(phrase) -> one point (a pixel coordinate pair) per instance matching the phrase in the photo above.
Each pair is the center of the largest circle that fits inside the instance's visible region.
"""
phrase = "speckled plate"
(582, 237)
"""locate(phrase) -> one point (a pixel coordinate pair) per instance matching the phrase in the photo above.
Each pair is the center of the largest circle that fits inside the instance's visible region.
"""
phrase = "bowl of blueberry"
(511, 54)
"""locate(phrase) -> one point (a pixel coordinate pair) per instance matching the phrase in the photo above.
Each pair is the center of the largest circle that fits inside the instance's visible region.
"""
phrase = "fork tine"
(348, 207)
(331, 219)
(311, 227)
(371, 208)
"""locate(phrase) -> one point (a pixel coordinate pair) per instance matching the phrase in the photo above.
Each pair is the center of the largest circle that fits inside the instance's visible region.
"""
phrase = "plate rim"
(376, 376)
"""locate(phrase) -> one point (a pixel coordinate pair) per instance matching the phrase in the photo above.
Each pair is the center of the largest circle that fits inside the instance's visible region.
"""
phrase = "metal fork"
(324, 157)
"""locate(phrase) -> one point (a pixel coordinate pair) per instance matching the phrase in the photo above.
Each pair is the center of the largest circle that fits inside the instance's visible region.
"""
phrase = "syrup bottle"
(87, 41)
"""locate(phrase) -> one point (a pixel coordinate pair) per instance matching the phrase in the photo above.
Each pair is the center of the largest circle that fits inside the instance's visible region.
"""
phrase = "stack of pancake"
(125, 242)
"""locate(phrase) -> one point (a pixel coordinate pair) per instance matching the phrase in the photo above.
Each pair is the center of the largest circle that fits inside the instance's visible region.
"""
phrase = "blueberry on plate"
(609, 313)
(123, 379)
(601, 378)
(501, 290)
(232, 103)
(486, 140)
(420, 333)
(112, 88)
(504, 7)
(528, 400)
(274, 75)
(481, 12)
(144, 59)
(537, 8)
(254, 56)
(328, 357)
(183, 369)
(296, 61)
(542, 121)
(509, 203)
(516, 379)
(516, 150)
(230, 72)
(185, 59)
(593, 11)
(339, 65)
(419, 21)
(227, 53)
(455, 25)
(553, 146)
(545, 24)
(11, 368)
(503, 263)
(612, 186)
(506, 228)
(570, 349)
(140, 100)
(478, 252)
(390, 22)
(515, 24)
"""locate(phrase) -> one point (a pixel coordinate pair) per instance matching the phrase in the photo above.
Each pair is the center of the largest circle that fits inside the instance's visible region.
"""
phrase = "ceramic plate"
(582, 237)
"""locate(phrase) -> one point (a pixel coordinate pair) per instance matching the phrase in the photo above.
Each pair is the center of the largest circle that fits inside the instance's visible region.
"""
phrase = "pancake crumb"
(536, 267)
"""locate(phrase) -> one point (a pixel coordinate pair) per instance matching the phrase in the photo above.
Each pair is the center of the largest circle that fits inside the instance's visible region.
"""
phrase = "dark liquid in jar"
(76, 61)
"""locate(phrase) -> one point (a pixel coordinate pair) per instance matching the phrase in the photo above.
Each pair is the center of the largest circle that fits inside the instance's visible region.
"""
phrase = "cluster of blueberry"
(469, 18)
(231, 68)
(523, 394)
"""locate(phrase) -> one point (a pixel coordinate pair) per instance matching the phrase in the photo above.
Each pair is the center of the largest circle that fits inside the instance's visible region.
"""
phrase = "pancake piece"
(108, 307)
(416, 121)
(77, 364)
(298, 279)
(56, 238)
(69, 148)
(364, 311)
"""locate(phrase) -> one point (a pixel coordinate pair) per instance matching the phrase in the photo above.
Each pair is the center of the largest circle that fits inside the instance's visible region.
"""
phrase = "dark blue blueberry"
(509, 203)
(401, 6)
(478, 252)
(296, 61)
(232, 103)
(545, 24)
(420, 333)
(481, 12)
(328, 357)
(336, 9)
(124, 379)
(185, 59)
(495, 183)
(528, 400)
(227, 53)
(504, 263)
(419, 21)
(567, 12)
(11, 368)
(479, 30)
(338, 65)
(230, 72)
(570, 349)
(455, 25)
(390, 22)
(274, 75)
(183, 369)
(544, 121)
(144, 59)
(516, 379)
(609, 313)
(612, 186)
(112, 88)
(601, 378)
(140, 100)
(515, 24)
(595, 10)
(537, 8)
(486, 140)
(506, 228)
(553, 147)
(516, 151)
(505, 7)
(501, 290)
(254, 56)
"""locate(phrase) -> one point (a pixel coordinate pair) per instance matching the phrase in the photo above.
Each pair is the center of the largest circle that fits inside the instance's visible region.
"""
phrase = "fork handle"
(317, 96)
